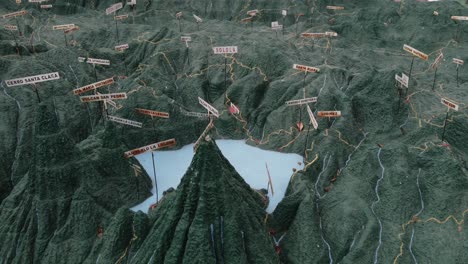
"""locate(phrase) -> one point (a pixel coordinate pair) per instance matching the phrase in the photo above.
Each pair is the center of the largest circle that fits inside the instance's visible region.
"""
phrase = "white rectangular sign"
(33, 79)
(185, 39)
(103, 97)
(98, 61)
(284, 12)
(152, 147)
(225, 50)
(15, 14)
(132, 2)
(124, 121)
(46, 6)
(121, 17)
(331, 33)
(11, 27)
(458, 61)
(302, 101)
(113, 8)
(459, 17)
(197, 18)
(312, 118)
(93, 86)
(208, 107)
(63, 27)
(335, 7)
(121, 47)
(305, 68)
(449, 104)
(195, 114)
(415, 52)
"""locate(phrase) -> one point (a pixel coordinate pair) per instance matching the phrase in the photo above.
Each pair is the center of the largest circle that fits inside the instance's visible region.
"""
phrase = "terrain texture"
(379, 184)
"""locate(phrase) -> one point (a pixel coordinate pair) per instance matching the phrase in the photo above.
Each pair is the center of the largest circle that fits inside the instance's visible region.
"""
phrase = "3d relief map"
(233, 131)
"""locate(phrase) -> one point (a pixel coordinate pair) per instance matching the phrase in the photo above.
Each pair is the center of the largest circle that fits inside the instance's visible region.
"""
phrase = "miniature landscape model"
(240, 131)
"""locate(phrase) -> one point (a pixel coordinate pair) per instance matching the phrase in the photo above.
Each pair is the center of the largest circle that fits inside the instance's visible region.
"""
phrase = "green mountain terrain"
(384, 183)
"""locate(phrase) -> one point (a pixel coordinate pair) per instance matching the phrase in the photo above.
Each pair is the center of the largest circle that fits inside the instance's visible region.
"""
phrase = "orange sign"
(93, 86)
(415, 52)
(152, 113)
(329, 113)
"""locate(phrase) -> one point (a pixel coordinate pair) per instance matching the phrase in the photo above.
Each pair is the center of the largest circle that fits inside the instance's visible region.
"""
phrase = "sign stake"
(225, 73)
(457, 76)
(19, 53)
(66, 42)
(154, 174)
(307, 139)
(116, 30)
(435, 77)
(19, 29)
(37, 92)
(445, 124)
(409, 75)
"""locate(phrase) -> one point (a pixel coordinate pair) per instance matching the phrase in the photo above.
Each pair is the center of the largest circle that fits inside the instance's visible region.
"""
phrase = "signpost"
(159, 145)
(457, 20)
(225, 50)
(435, 66)
(415, 53)
(450, 105)
(195, 114)
(33, 80)
(15, 15)
(297, 20)
(64, 27)
(12, 28)
(112, 10)
(275, 26)
(203, 134)
(199, 20)
(152, 113)
(93, 86)
(178, 17)
(284, 13)
(208, 107)
(306, 70)
(103, 97)
(125, 121)
(458, 62)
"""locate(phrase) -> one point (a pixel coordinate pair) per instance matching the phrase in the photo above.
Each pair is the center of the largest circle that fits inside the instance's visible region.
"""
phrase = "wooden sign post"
(225, 50)
(458, 62)
(450, 105)
(297, 21)
(152, 114)
(457, 20)
(159, 145)
(435, 66)
(312, 122)
(33, 80)
(252, 14)
(132, 5)
(113, 10)
(329, 114)
(198, 20)
(12, 28)
(284, 13)
(15, 15)
(415, 53)
(64, 28)
(305, 69)
(301, 102)
(178, 17)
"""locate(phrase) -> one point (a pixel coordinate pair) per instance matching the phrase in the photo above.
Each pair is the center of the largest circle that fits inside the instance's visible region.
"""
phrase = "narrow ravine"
(410, 246)
(377, 185)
